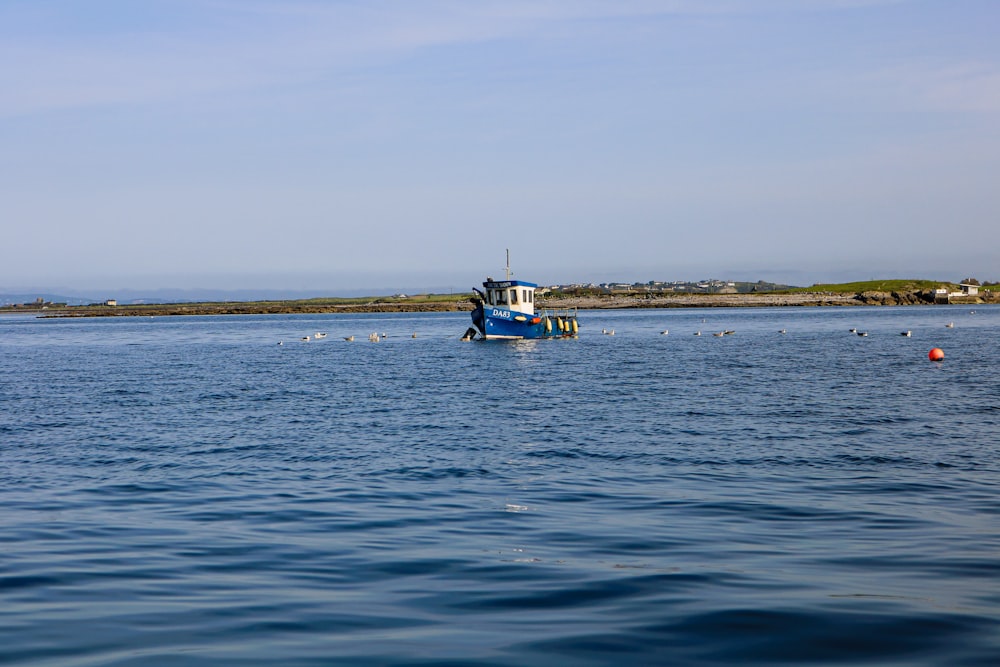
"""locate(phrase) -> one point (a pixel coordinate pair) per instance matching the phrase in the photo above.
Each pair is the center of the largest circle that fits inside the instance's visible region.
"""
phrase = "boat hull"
(501, 324)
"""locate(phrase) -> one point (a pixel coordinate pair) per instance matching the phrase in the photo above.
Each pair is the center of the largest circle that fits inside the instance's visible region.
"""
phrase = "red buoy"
(936, 354)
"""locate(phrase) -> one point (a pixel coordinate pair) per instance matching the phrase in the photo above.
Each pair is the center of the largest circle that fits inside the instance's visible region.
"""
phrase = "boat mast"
(508, 263)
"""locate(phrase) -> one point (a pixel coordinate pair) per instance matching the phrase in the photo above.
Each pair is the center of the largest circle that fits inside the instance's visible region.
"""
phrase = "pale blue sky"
(345, 144)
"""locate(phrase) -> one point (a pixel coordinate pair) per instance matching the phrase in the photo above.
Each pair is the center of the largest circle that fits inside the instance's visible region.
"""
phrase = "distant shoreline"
(250, 308)
(767, 300)
(451, 304)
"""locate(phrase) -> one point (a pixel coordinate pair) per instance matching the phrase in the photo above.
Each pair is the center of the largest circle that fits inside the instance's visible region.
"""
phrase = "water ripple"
(212, 498)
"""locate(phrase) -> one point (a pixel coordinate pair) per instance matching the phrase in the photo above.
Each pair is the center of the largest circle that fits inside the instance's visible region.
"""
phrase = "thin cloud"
(233, 46)
(959, 87)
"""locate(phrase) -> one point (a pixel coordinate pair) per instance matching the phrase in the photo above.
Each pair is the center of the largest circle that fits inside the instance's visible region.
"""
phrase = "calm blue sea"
(185, 491)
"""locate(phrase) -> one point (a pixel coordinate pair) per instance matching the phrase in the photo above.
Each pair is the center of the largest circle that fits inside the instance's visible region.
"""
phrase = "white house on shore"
(943, 295)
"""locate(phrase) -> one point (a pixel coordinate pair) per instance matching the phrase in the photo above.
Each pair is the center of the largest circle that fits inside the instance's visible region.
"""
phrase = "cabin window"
(525, 296)
(513, 296)
(501, 297)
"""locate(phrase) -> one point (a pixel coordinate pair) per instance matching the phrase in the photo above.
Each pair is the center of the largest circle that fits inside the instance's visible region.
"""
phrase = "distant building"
(944, 295)
(111, 302)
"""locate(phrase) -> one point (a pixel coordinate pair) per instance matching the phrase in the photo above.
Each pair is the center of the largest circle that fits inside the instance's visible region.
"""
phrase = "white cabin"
(514, 295)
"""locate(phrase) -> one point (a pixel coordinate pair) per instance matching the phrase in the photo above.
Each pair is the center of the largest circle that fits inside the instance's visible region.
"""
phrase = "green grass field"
(877, 286)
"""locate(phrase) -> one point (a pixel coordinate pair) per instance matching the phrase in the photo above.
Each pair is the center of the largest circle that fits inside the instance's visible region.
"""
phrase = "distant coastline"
(459, 303)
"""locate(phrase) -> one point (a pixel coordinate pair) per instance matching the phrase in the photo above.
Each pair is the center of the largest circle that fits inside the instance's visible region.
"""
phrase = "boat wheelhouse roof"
(501, 284)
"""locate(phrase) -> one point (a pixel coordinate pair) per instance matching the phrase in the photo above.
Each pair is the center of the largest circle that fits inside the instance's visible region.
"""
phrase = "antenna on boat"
(508, 263)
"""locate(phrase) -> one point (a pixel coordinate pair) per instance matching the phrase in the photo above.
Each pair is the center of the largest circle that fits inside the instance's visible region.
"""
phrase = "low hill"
(871, 292)
(897, 285)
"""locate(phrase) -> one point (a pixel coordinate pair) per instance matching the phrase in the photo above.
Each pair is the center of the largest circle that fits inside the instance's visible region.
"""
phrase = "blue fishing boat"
(505, 310)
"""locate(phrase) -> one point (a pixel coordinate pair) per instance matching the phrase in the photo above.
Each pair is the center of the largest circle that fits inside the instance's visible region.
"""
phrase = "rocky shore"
(256, 308)
(758, 300)
(704, 301)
